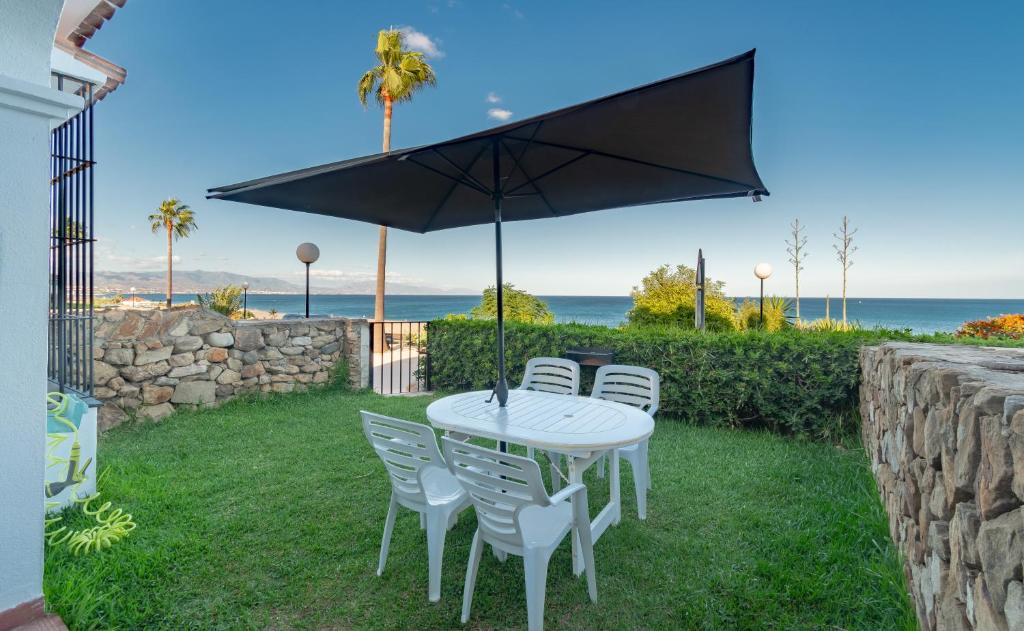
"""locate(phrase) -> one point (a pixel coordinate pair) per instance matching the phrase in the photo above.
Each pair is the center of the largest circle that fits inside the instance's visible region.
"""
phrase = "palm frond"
(366, 85)
(400, 73)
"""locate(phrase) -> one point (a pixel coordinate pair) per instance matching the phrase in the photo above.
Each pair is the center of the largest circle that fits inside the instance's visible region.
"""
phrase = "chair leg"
(389, 527)
(645, 462)
(475, 552)
(530, 451)
(437, 528)
(556, 473)
(600, 465)
(501, 555)
(640, 485)
(423, 521)
(535, 569)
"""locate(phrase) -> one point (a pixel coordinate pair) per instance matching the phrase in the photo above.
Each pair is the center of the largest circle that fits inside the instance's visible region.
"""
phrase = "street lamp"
(133, 297)
(245, 299)
(762, 271)
(308, 253)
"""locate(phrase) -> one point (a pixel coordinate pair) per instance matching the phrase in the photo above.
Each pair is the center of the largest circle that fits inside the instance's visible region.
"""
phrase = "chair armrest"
(567, 493)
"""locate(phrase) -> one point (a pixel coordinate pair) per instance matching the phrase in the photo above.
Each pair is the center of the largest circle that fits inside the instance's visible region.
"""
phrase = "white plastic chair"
(639, 387)
(421, 482)
(551, 374)
(516, 515)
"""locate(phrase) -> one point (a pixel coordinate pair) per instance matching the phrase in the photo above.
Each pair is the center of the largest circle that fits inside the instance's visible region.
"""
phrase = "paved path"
(399, 372)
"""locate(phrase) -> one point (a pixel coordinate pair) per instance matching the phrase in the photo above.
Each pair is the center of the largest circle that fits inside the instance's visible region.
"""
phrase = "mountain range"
(201, 281)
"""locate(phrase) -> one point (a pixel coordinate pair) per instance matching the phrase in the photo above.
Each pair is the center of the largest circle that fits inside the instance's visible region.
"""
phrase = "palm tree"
(397, 77)
(179, 221)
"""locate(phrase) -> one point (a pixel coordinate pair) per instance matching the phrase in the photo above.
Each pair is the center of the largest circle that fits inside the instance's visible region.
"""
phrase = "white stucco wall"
(27, 106)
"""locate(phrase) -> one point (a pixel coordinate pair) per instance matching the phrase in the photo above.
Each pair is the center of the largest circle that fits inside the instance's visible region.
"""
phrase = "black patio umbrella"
(682, 138)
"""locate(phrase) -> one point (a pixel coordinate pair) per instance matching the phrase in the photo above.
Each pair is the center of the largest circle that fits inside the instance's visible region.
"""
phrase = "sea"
(920, 315)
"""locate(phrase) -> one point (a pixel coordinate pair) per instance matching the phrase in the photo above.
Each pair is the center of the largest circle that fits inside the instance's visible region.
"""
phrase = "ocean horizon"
(921, 315)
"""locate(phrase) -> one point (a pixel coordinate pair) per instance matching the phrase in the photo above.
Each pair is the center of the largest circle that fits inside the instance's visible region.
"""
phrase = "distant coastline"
(921, 315)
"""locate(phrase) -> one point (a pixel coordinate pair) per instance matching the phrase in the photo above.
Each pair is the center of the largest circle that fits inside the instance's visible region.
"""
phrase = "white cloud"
(492, 98)
(109, 256)
(415, 40)
(338, 274)
(499, 114)
(514, 11)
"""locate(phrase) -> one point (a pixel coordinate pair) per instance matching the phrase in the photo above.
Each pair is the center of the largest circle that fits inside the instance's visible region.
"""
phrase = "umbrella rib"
(457, 180)
(447, 196)
(614, 156)
(464, 172)
(530, 180)
(533, 181)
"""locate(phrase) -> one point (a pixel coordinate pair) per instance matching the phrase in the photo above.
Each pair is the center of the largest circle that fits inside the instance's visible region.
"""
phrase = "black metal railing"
(70, 332)
(399, 363)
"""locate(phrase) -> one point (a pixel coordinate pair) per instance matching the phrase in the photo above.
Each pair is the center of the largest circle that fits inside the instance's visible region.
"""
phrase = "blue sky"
(908, 117)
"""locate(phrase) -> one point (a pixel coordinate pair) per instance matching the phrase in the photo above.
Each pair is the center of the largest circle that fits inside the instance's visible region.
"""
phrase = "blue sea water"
(922, 315)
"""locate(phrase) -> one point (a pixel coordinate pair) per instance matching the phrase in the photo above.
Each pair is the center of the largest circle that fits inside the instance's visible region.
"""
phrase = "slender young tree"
(844, 252)
(396, 78)
(795, 249)
(179, 221)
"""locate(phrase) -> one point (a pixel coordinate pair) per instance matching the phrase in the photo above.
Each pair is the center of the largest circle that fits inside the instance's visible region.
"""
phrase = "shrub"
(225, 300)
(108, 301)
(776, 314)
(828, 324)
(792, 381)
(667, 297)
(1009, 326)
(519, 306)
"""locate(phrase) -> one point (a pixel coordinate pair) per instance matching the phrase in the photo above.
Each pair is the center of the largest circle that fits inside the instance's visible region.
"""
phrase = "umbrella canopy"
(682, 138)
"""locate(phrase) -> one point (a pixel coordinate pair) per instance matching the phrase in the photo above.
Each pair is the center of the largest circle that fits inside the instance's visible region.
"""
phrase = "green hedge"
(793, 381)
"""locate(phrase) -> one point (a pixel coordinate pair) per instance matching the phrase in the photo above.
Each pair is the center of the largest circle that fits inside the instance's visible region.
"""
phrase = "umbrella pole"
(501, 387)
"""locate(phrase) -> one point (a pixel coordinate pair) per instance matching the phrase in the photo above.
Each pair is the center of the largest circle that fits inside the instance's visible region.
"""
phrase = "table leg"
(575, 475)
(614, 492)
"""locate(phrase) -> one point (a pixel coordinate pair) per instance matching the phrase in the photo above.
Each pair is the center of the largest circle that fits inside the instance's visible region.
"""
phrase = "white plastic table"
(581, 428)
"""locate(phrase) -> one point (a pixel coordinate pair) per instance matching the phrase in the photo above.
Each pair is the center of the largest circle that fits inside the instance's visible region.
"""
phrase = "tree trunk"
(844, 293)
(382, 244)
(169, 263)
(798, 297)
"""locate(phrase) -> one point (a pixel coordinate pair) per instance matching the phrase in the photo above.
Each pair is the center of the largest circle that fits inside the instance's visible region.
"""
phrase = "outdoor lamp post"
(245, 299)
(132, 289)
(308, 253)
(762, 271)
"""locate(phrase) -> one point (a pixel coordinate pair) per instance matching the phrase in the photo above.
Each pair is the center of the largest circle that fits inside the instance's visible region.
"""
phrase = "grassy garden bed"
(268, 514)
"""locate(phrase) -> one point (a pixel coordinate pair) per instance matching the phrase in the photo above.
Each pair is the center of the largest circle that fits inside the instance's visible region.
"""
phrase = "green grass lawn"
(268, 514)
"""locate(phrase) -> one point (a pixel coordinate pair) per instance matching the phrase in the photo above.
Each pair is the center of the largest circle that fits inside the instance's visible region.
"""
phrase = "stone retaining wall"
(944, 428)
(147, 362)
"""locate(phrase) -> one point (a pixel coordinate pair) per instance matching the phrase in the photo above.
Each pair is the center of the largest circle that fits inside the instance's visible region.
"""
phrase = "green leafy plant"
(225, 300)
(108, 301)
(828, 324)
(519, 306)
(667, 297)
(776, 314)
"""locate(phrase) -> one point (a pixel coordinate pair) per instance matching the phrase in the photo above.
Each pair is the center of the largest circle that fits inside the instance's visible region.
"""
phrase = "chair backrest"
(552, 374)
(632, 385)
(498, 484)
(404, 447)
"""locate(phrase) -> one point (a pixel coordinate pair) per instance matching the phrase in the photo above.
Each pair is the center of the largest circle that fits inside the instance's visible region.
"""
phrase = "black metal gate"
(70, 333)
(399, 363)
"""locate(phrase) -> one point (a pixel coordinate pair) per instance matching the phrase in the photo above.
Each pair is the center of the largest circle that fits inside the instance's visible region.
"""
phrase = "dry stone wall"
(944, 428)
(148, 362)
